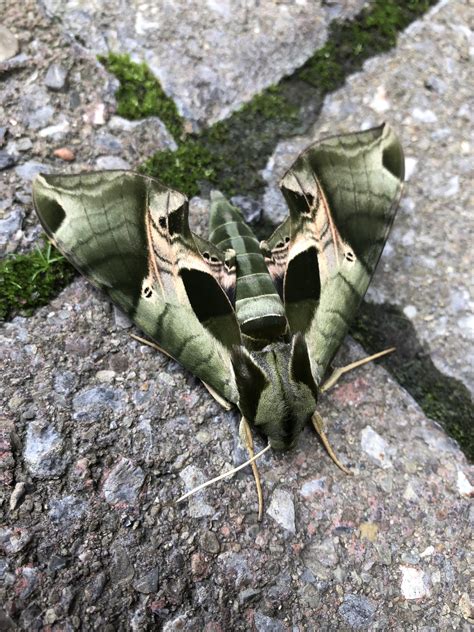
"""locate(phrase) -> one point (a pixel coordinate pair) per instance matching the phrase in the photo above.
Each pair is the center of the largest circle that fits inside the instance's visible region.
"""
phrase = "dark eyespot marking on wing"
(302, 280)
(205, 294)
(349, 256)
(301, 202)
(53, 214)
(147, 291)
(176, 222)
(392, 160)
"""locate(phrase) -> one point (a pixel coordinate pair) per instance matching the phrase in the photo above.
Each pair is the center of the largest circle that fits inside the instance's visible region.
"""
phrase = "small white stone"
(410, 167)
(466, 325)
(105, 375)
(380, 103)
(376, 447)
(410, 492)
(428, 552)
(55, 130)
(414, 583)
(410, 311)
(464, 486)
(424, 116)
(111, 162)
(312, 487)
(282, 509)
(192, 477)
(451, 188)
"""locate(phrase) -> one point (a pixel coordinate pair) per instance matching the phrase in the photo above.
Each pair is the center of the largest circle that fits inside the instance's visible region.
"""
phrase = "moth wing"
(342, 194)
(130, 236)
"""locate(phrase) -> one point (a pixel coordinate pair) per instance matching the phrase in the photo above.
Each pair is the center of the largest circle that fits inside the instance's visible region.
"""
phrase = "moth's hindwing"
(130, 236)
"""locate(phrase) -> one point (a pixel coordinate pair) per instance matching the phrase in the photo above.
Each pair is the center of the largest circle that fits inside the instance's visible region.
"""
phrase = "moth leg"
(318, 424)
(245, 434)
(336, 374)
(151, 344)
(220, 400)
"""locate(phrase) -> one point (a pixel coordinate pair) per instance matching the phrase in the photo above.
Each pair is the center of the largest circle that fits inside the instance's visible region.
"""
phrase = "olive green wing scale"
(342, 193)
(130, 236)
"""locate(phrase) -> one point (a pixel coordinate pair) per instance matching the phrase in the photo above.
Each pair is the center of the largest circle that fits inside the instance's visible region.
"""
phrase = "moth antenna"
(224, 475)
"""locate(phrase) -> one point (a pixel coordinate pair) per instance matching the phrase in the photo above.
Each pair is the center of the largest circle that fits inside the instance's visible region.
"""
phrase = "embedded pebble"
(410, 311)
(6, 160)
(90, 403)
(17, 496)
(111, 162)
(29, 170)
(64, 153)
(123, 483)
(9, 46)
(236, 566)
(424, 116)
(57, 131)
(14, 540)
(282, 509)
(67, 510)
(192, 477)
(464, 486)
(44, 450)
(9, 226)
(357, 611)
(55, 78)
(147, 583)
(414, 583)
(375, 446)
(263, 623)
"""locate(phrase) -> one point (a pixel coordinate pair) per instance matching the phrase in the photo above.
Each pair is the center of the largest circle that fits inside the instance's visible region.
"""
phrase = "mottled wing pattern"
(275, 250)
(130, 236)
(342, 194)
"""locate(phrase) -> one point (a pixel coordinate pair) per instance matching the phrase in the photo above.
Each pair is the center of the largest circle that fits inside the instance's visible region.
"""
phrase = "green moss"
(214, 156)
(184, 168)
(31, 280)
(442, 398)
(372, 32)
(140, 93)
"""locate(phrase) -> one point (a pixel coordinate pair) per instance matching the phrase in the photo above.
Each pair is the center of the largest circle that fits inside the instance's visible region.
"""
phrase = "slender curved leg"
(331, 381)
(151, 344)
(246, 435)
(220, 400)
(318, 424)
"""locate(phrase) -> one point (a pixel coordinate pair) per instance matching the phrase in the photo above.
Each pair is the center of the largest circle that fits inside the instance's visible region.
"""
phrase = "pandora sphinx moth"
(258, 323)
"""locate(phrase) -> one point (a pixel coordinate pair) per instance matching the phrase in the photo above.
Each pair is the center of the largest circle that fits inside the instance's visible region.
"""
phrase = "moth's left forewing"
(129, 235)
(342, 194)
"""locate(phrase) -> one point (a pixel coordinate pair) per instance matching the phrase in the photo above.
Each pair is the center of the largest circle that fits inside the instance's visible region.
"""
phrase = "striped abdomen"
(259, 309)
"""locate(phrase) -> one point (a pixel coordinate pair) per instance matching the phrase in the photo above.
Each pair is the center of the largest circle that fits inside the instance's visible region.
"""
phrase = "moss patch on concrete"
(31, 280)
(140, 93)
(442, 398)
(372, 32)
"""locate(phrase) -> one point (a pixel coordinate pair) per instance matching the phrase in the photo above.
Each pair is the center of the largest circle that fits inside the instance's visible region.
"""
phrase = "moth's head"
(277, 390)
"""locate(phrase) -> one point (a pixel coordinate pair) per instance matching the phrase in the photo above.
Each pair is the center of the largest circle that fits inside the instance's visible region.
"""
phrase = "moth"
(258, 323)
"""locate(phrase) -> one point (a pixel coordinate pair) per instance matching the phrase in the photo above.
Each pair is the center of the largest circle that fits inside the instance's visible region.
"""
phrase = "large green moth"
(258, 323)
